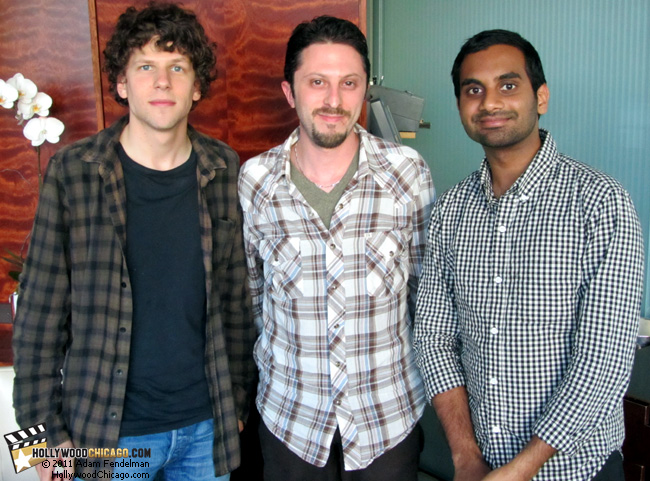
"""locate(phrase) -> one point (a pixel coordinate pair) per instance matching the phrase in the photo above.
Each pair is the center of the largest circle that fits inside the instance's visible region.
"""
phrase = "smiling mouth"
(492, 121)
(162, 103)
(332, 115)
(331, 119)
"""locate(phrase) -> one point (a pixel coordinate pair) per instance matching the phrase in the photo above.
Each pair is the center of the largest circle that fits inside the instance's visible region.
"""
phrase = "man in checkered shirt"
(334, 231)
(528, 305)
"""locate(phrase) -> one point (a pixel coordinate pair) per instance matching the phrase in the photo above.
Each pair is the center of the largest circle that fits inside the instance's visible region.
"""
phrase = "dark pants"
(400, 463)
(612, 470)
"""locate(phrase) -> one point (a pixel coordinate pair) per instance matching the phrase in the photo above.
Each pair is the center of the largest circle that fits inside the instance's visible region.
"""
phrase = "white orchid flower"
(26, 88)
(40, 129)
(8, 94)
(40, 105)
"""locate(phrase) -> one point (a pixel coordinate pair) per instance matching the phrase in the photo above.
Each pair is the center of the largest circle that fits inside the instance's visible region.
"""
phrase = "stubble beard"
(502, 138)
(329, 140)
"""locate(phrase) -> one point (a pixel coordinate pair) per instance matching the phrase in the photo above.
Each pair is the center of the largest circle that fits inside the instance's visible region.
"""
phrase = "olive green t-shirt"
(323, 202)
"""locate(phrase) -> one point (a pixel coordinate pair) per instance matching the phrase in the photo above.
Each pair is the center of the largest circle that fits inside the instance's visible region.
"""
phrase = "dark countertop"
(640, 381)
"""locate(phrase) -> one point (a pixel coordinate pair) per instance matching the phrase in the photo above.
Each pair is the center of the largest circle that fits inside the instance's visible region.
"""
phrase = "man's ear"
(120, 86)
(543, 95)
(288, 93)
(196, 95)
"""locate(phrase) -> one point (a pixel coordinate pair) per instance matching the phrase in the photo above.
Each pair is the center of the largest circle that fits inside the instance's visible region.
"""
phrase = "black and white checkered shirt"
(532, 302)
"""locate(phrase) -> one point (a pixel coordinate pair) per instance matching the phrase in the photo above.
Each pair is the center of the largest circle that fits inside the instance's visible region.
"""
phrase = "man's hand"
(45, 473)
(452, 408)
(526, 464)
(471, 471)
(504, 473)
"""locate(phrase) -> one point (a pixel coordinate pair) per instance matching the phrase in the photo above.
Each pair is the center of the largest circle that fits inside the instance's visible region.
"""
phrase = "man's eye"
(145, 67)
(473, 90)
(509, 87)
(317, 82)
(177, 68)
(350, 83)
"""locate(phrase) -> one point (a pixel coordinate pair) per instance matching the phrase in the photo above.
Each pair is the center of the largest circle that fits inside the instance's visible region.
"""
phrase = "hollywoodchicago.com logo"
(22, 444)
(28, 447)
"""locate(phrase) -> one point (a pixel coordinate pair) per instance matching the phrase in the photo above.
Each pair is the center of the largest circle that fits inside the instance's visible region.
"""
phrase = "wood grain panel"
(210, 114)
(6, 354)
(48, 41)
(246, 107)
(257, 34)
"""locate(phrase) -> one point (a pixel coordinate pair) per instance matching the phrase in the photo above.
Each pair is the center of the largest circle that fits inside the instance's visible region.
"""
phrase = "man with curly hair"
(133, 328)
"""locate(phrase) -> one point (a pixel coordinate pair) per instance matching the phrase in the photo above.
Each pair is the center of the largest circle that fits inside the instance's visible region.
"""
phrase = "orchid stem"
(40, 173)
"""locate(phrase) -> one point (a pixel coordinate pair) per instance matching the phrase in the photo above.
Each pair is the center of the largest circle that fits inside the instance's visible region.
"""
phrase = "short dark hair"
(324, 29)
(177, 29)
(488, 38)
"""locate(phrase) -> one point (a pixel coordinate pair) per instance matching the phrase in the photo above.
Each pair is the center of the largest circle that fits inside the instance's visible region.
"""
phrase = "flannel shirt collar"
(104, 150)
(207, 162)
(527, 182)
(371, 161)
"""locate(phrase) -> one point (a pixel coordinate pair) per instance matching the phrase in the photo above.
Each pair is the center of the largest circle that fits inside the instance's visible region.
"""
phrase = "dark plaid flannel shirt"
(72, 332)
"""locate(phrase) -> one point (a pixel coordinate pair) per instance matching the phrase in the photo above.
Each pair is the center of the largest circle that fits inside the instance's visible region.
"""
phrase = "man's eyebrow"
(318, 73)
(471, 81)
(505, 76)
(509, 75)
(150, 58)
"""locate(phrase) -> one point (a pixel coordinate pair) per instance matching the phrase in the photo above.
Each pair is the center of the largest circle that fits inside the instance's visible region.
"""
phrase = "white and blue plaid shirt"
(532, 302)
(334, 307)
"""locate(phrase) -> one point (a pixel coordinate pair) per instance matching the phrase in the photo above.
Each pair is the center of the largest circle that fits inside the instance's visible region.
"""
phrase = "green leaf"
(14, 259)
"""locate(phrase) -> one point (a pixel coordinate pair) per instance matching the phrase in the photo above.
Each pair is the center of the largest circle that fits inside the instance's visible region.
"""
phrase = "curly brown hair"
(175, 28)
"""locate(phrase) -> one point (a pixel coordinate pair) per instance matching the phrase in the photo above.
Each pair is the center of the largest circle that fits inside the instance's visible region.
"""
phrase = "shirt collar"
(367, 163)
(371, 159)
(283, 168)
(207, 162)
(208, 158)
(527, 182)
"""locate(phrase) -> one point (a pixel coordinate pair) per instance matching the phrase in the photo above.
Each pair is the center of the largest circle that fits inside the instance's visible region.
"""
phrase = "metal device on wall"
(405, 107)
(381, 121)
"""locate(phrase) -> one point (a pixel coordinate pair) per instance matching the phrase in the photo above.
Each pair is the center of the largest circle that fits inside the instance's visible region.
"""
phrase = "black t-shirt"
(167, 387)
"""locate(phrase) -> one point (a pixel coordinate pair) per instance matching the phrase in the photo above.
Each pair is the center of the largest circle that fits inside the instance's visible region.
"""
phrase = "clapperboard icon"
(22, 442)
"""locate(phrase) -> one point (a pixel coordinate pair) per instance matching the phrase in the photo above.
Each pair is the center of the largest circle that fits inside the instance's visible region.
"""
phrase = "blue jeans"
(183, 454)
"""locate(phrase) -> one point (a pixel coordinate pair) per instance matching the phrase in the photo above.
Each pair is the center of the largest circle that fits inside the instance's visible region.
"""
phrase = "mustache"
(332, 111)
(507, 114)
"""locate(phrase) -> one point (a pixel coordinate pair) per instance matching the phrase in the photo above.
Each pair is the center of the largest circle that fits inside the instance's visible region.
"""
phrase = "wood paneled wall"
(51, 43)
(246, 107)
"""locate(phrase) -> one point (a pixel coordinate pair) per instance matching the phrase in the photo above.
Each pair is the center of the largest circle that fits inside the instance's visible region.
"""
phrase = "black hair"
(323, 29)
(488, 38)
